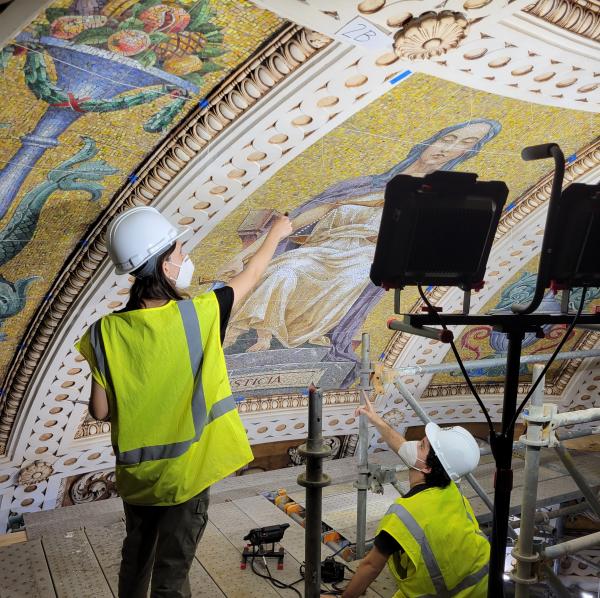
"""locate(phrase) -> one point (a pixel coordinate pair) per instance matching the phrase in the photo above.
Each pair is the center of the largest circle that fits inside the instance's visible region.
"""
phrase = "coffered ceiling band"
(578, 16)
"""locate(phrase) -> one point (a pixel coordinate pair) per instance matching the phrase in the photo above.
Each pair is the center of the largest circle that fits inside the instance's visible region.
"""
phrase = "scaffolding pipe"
(477, 364)
(554, 582)
(523, 552)
(314, 480)
(572, 546)
(568, 418)
(401, 388)
(549, 515)
(571, 467)
(570, 434)
(363, 448)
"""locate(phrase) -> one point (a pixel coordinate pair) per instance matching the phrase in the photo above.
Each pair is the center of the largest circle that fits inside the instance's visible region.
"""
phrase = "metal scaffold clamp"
(541, 417)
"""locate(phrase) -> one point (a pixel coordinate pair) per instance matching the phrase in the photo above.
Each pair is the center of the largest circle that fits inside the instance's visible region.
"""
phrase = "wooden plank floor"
(75, 552)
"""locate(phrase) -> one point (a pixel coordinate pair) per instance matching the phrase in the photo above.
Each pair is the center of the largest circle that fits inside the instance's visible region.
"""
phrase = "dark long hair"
(437, 476)
(154, 286)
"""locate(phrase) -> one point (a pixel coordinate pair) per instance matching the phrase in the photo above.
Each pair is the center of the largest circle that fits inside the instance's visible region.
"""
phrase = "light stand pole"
(502, 446)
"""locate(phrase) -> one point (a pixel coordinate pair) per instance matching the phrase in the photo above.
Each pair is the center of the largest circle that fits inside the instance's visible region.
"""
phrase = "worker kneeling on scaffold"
(430, 538)
(159, 375)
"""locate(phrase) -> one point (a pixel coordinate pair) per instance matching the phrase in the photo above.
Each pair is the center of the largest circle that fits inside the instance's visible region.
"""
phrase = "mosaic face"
(453, 145)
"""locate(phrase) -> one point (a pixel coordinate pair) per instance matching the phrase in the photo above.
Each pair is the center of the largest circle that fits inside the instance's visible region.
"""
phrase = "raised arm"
(370, 567)
(392, 438)
(244, 282)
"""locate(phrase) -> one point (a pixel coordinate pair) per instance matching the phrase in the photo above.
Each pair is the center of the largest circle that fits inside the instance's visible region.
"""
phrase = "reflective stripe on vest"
(191, 326)
(429, 558)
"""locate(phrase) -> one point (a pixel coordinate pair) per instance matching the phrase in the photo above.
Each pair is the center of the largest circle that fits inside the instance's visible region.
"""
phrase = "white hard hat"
(455, 447)
(138, 234)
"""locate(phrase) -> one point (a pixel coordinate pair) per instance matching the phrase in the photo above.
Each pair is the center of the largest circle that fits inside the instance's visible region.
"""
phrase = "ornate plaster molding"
(587, 159)
(578, 16)
(431, 34)
(291, 47)
(250, 406)
(91, 428)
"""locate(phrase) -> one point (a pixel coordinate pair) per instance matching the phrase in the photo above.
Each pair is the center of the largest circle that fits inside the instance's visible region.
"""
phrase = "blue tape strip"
(132, 178)
(571, 158)
(203, 103)
(509, 207)
(400, 76)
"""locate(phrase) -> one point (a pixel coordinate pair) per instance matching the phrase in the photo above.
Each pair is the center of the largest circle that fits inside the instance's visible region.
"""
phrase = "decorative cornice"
(251, 406)
(92, 428)
(331, 398)
(587, 158)
(291, 47)
(399, 339)
(587, 342)
(578, 16)
(554, 388)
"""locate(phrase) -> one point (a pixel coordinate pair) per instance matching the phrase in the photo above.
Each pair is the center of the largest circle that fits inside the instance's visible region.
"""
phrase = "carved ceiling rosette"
(36, 472)
(431, 34)
(93, 486)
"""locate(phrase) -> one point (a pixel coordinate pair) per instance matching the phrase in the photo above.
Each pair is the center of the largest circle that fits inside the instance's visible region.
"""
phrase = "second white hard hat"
(455, 447)
(138, 234)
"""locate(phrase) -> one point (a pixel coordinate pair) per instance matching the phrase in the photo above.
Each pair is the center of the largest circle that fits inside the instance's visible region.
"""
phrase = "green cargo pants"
(160, 544)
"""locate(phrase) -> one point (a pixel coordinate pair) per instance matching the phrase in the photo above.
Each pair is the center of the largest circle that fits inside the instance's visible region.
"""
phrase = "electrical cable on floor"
(549, 362)
(289, 586)
(274, 581)
(434, 312)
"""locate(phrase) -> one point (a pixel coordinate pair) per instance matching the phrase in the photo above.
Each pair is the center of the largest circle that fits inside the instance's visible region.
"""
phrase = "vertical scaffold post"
(362, 484)
(313, 480)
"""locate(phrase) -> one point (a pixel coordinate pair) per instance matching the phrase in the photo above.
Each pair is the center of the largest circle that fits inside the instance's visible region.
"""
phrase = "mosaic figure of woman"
(317, 289)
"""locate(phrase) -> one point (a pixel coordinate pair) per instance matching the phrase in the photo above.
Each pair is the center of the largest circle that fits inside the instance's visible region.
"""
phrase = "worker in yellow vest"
(430, 537)
(159, 376)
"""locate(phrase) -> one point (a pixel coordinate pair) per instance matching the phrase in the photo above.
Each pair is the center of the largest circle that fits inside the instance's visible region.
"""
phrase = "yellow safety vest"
(175, 428)
(444, 553)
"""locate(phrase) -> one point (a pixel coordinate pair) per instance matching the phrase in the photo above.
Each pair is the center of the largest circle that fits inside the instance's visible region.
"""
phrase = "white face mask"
(408, 454)
(186, 271)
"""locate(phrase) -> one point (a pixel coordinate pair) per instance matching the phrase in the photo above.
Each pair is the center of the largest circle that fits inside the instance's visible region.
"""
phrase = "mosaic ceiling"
(223, 114)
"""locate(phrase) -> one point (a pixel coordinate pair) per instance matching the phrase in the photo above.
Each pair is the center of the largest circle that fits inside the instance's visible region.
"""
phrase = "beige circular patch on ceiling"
(521, 71)
(385, 59)
(356, 81)
(302, 120)
(475, 54)
(474, 4)
(499, 62)
(370, 6)
(544, 77)
(399, 20)
(566, 82)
